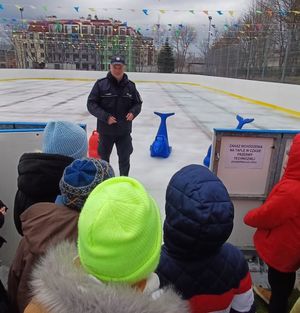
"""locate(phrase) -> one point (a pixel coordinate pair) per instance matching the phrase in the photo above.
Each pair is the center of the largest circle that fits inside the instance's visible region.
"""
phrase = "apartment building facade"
(83, 44)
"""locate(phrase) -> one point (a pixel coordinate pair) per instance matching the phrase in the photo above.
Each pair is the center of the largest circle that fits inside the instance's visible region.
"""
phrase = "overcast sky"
(129, 10)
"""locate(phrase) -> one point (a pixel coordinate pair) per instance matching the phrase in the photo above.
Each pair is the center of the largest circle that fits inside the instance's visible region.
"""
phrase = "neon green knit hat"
(119, 232)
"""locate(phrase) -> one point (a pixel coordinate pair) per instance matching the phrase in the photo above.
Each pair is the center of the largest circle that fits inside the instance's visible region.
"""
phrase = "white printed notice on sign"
(244, 152)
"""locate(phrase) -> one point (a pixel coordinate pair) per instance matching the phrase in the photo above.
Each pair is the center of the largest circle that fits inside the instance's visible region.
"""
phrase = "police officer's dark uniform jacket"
(112, 98)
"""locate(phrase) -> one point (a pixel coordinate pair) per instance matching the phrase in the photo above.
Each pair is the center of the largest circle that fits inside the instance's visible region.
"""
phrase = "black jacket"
(3, 293)
(38, 181)
(112, 98)
(3, 299)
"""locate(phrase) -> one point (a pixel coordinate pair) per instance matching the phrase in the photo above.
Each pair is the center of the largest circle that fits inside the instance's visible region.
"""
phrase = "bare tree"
(181, 39)
(265, 42)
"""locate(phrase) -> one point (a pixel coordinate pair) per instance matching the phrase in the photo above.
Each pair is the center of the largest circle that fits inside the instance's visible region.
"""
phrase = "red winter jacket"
(277, 239)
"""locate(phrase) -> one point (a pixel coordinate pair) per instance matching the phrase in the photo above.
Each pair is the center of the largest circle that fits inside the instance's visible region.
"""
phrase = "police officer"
(115, 101)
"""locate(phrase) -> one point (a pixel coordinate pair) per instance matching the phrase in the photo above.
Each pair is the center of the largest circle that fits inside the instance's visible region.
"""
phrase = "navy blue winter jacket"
(211, 274)
(112, 98)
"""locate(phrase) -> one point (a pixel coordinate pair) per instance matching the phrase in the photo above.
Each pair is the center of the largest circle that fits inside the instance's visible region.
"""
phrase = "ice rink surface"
(197, 112)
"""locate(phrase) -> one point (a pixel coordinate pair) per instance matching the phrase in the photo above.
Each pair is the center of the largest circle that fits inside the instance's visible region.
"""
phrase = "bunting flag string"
(148, 11)
(255, 27)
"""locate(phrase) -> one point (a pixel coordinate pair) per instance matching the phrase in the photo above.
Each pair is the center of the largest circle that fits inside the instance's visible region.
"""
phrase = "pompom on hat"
(80, 178)
(65, 138)
(119, 232)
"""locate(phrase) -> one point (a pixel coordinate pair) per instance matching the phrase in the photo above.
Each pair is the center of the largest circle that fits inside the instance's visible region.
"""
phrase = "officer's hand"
(129, 117)
(111, 120)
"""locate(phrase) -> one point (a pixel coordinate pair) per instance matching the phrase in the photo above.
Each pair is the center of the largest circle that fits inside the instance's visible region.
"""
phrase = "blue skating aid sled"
(160, 147)
(241, 122)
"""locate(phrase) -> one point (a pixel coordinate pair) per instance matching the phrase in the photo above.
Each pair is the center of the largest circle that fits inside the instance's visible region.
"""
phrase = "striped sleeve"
(235, 300)
(243, 301)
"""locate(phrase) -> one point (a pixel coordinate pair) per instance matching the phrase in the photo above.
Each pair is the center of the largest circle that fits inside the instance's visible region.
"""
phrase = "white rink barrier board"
(16, 138)
(249, 162)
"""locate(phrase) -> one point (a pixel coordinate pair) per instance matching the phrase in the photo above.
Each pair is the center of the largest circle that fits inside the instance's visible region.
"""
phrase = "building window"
(32, 46)
(42, 46)
(84, 30)
(122, 30)
(42, 55)
(75, 29)
(109, 30)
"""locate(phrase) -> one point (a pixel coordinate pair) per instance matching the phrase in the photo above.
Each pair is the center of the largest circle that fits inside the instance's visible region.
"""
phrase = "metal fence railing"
(275, 57)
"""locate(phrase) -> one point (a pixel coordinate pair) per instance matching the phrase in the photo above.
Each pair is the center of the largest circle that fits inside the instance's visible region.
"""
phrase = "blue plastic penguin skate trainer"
(160, 147)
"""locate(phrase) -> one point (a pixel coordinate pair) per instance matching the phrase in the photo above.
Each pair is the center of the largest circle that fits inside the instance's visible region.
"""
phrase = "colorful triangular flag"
(270, 12)
(282, 12)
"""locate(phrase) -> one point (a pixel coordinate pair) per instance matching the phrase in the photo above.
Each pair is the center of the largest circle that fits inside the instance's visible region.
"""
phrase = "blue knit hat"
(80, 178)
(65, 138)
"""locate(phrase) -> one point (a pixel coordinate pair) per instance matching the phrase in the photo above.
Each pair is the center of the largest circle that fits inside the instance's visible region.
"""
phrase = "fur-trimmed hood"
(62, 287)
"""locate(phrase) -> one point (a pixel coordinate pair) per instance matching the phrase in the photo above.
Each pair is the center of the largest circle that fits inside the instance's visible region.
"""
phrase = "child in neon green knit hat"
(111, 269)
